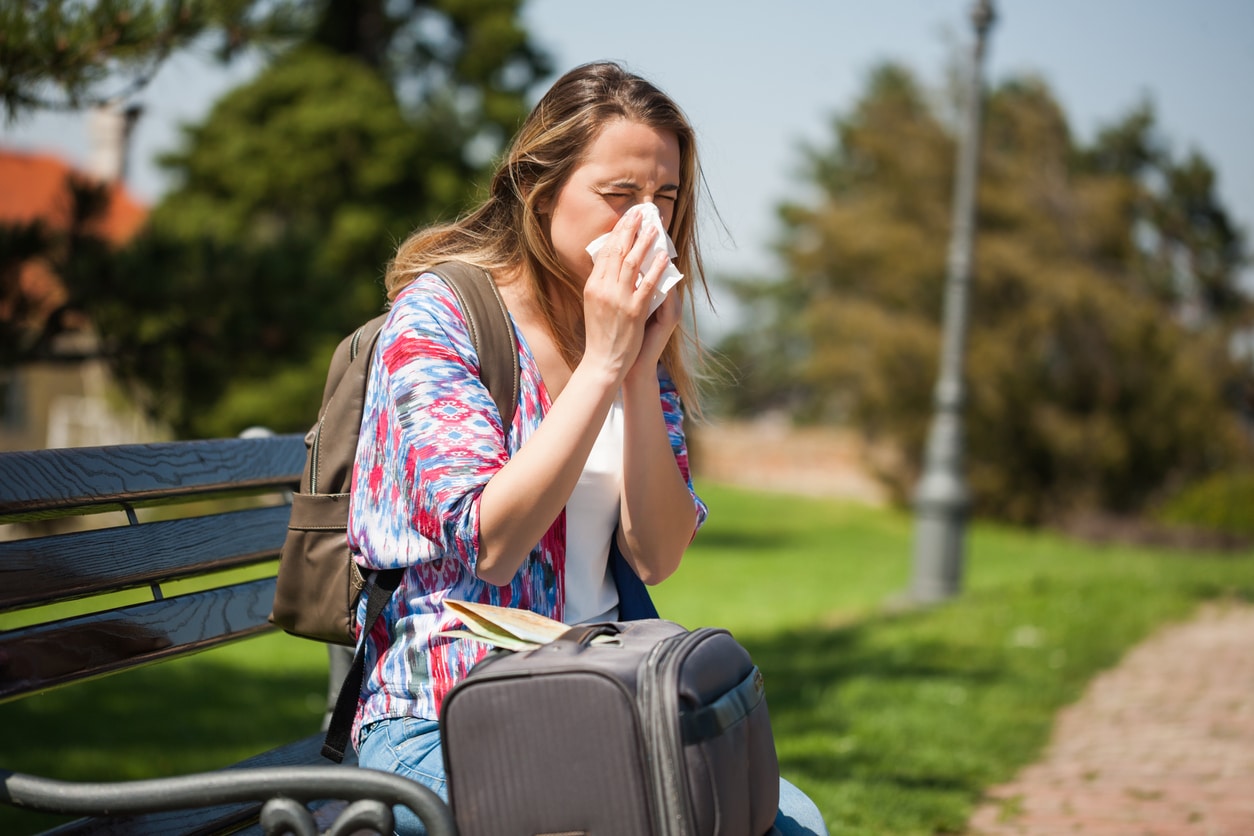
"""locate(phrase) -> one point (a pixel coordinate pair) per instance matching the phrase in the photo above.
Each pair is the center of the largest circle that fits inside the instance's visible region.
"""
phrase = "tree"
(1105, 293)
(292, 194)
(65, 55)
(33, 311)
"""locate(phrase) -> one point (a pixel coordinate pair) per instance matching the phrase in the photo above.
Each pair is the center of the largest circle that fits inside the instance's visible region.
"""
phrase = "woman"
(489, 515)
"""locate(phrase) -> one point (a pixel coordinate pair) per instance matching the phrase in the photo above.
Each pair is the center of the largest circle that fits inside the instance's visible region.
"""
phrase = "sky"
(760, 81)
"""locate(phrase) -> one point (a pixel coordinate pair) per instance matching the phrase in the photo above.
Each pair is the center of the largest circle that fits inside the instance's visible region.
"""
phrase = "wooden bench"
(171, 512)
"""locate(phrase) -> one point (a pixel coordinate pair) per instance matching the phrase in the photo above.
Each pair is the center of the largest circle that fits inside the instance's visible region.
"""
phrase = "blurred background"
(195, 208)
(197, 201)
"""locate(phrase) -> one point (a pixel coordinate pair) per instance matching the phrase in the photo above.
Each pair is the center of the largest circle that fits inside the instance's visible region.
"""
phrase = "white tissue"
(670, 276)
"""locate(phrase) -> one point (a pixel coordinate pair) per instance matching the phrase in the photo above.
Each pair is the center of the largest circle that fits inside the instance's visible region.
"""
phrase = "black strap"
(634, 602)
(380, 586)
(583, 634)
(492, 336)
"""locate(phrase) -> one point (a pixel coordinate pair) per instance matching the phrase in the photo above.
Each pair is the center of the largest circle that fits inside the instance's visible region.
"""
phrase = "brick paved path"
(1163, 744)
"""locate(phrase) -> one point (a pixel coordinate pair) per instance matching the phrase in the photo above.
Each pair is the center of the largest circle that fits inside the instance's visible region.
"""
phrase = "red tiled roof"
(34, 186)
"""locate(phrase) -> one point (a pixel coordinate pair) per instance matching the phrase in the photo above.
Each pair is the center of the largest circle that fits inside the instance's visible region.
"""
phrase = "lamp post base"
(938, 554)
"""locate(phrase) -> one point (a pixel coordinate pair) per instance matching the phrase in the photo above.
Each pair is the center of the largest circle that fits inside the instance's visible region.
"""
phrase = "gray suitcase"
(651, 730)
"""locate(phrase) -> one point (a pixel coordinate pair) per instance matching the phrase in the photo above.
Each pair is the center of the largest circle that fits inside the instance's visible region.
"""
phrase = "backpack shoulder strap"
(346, 353)
(490, 331)
(341, 406)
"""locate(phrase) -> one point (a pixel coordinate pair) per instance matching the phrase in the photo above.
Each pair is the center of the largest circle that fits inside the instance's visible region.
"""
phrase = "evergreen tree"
(1105, 295)
(291, 195)
(66, 55)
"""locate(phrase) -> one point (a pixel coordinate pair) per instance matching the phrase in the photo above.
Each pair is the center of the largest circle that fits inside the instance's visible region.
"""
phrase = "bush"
(1224, 502)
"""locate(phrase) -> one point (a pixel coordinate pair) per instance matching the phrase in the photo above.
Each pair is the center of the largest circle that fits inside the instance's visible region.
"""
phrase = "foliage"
(1222, 502)
(1105, 294)
(68, 55)
(291, 195)
(27, 326)
(262, 258)
(894, 721)
(20, 331)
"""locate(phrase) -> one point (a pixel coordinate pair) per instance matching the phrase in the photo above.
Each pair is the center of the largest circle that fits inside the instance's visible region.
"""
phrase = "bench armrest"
(373, 794)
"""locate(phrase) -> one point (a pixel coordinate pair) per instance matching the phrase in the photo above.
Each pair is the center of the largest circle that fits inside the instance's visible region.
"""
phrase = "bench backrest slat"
(54, 653)
(48, 483)
(204, 523)
(63, 567)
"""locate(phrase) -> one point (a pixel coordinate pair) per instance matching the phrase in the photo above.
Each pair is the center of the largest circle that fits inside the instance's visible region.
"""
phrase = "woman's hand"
(657, 333)
(617, 324)
(513, 514)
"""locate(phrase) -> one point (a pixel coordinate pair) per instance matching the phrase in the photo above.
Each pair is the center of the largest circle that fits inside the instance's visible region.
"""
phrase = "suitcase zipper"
(659, 710)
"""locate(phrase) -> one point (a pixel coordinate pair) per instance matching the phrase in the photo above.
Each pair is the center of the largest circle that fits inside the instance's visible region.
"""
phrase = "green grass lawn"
(893, 720)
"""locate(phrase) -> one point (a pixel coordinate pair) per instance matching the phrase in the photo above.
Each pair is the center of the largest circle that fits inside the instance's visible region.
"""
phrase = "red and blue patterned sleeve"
(431, 437)
(673, 412)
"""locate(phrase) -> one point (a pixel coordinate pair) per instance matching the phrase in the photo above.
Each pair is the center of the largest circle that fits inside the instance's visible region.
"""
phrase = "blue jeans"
(411, 747)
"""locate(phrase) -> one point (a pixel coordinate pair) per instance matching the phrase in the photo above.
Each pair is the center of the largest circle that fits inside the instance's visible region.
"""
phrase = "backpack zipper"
(313, 457)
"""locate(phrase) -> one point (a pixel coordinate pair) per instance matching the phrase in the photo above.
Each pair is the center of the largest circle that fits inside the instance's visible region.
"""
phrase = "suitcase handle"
(725, 712)
(583, 634)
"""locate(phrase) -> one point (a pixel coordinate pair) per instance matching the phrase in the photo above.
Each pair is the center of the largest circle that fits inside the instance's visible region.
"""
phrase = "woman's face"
(628, 163)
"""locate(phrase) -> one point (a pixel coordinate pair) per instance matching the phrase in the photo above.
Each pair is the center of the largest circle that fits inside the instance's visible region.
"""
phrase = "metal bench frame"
(283, 790)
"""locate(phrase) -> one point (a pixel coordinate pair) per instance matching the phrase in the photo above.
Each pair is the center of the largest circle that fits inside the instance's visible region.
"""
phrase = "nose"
(664, 210)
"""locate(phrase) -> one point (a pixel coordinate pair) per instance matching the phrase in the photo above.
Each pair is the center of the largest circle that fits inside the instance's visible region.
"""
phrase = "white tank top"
(591, 519)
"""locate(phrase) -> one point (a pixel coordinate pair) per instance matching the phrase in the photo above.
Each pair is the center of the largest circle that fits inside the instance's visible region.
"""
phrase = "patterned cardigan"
(431, 438)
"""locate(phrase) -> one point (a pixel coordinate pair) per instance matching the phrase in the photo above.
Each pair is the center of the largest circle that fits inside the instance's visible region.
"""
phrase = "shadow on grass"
(176, 718)
(753, 543)
(809, 672)
(868, 726)
(898, 723)
(893, 724)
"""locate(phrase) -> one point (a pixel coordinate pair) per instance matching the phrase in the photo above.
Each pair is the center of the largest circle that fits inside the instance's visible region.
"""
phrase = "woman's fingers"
(636, 259)
(623, 240)
(628, 260)
(653, 271)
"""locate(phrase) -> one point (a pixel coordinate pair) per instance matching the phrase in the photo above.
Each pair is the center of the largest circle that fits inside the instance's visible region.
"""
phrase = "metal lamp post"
(941, 500)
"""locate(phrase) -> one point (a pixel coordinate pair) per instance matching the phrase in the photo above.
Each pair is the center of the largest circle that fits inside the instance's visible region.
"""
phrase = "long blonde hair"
(505, 231)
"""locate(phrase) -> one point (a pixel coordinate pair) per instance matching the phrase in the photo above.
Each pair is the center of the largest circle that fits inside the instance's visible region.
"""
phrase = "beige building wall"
(68, 404)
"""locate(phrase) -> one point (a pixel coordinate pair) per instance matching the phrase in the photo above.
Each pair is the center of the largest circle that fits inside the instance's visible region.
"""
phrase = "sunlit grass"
(892, 719)
(765, 562)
